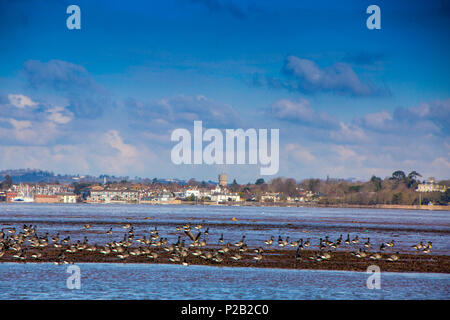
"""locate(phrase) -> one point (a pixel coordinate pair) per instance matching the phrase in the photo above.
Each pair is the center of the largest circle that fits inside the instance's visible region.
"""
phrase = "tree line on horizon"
(399, 188)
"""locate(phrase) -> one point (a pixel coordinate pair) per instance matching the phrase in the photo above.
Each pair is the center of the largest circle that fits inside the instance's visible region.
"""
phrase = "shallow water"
(159, 281)
(405, 227)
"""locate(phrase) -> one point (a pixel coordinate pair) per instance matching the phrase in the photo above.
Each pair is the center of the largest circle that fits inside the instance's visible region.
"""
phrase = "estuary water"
(405, 227)
(162, 281)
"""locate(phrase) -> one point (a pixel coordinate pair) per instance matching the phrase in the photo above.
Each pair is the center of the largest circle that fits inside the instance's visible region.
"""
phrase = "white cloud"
(377, 119)
(348, 133)
(347, 154)
(60, 115)
(21, 101)
(441, 164)
(299, 153)
(340, 78)
(18, 124)
(113, 138)
(302, 113)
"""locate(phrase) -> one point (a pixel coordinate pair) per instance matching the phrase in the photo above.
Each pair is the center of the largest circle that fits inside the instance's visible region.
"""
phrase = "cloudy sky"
(349, 102)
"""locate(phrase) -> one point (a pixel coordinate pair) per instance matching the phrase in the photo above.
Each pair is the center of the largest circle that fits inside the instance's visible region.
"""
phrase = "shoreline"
(259, 204)
(147, 222)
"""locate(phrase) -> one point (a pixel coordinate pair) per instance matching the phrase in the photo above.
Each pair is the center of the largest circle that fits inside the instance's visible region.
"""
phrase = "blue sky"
(349, 102)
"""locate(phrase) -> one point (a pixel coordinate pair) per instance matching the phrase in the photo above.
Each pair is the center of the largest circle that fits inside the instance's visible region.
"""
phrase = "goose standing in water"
(298, 256)
(66, 240)
(36, 255)
(123, 255)
(347, 241)
(418, 246)
(269, 242)
(258, 256)
(105, 250)
(280, 240)
(326, 255)
(295, 243)
(360, 253)
(56, 238)
(217, 258)
(427, 247)
(109, 232)
(300, 245)
(236, 257)
(243, 248)
(367, 244)
(206, 256)
(393, 257)
(153, 255)
(241, 242)
(375, 256)
(177, 244)
(307, 243)
(225, 249)
(259, 250)
(202, 243)
(284, 243)
(221, 238)
(322, 245)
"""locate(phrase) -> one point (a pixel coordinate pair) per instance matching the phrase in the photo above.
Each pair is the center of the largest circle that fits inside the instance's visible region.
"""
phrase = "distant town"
(399, 189)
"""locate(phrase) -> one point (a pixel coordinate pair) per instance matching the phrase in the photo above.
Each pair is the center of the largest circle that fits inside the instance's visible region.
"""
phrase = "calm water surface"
(405, 227)
(160, 281)
(153, 281)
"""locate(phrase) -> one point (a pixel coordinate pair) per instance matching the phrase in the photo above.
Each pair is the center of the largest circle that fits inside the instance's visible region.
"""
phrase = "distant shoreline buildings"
(430, 186)
(396, 190)
(139, 194)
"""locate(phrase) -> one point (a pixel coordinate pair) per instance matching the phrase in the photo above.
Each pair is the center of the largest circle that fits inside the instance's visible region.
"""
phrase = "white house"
(192, 192)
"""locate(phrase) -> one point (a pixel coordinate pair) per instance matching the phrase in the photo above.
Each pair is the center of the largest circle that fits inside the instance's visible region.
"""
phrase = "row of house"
(99, 194)
(430, 186)
(12, 196)
(141, 193)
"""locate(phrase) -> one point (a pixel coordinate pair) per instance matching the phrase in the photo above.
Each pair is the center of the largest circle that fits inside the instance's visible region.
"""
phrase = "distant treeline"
(397, 189)
(400, 188)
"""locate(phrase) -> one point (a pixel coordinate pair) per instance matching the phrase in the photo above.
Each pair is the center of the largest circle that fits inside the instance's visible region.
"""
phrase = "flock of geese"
(27, 245)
